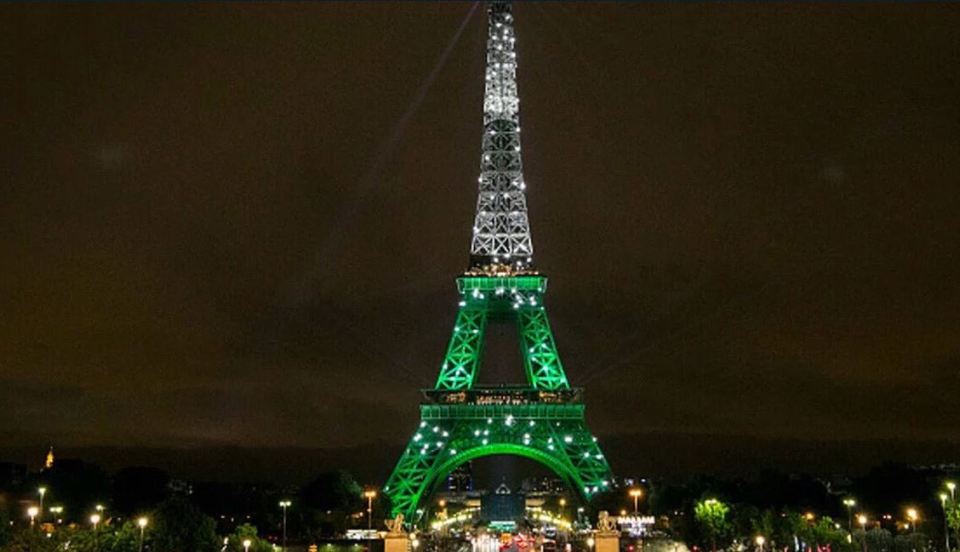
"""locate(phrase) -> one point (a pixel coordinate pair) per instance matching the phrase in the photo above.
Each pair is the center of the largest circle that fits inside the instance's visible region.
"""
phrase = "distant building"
(460, 479)
(543, 486)
(180, 487)
(48, 461)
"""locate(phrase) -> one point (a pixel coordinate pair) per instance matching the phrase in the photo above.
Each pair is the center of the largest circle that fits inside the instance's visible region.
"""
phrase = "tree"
(911, 542)
(137, 489)
(764, 523)
(952, 510)
(32, 540)
(878, 540)
(826, 532)
(247, 532)
(328, 500)
(125, 538)
(332, 491)
(180, 527)
(789, 528)
(711, 516)
(5, 531)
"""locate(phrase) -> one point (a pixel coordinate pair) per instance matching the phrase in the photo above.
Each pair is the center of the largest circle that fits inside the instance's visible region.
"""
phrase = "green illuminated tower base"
(543, 421)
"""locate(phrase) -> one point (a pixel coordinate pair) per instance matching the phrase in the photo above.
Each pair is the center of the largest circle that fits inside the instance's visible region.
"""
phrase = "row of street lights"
(635, 493)
(912, 515)
(36, 513)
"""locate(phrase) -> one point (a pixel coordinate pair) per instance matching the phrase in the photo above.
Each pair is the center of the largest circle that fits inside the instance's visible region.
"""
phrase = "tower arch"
(559, 468)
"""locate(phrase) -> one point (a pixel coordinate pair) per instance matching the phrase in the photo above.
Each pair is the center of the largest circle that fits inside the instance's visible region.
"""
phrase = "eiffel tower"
(459, 420)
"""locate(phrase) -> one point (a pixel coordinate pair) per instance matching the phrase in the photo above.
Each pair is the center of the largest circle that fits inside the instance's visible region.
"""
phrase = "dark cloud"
(216, 225)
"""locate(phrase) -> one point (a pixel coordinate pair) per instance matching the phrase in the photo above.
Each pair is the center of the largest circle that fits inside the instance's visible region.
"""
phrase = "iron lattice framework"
(501, 229)
(460, 421)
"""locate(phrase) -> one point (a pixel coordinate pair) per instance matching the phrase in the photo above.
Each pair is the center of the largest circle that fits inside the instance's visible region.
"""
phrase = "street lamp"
(952, 487)
(370, 495)
(849, 503)
(41, 491)
(142, 524)
(636, 494)
(246, 545)
(32, 512)
(284, 504)
(760, 540)
(946, 527)
(57, 510)
(95, 520)
(912, 515)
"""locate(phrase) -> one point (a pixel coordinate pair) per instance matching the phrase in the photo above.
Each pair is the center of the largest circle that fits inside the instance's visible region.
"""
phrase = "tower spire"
(501, 229)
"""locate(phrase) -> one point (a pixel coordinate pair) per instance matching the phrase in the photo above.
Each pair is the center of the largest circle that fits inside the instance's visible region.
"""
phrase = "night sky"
(240, 224)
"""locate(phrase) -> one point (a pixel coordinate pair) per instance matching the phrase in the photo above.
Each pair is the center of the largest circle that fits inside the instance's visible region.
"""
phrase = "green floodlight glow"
(580, 463)
(544, 419)
(546, 424)
(520, 302)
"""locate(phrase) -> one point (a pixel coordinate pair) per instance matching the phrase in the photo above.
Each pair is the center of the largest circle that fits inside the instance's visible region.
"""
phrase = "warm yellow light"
(943, 498)
(443, 503)
(849, 502)
(862, 520)
(623, 512)
(636, 493)
(370, 494)
(912, 514)
(760, 540)
(95, 519)
(951, 485)
(99, 507)
(246, 544)
(142, 522)
(42, 491)
(33, 511)
(809, 516)
(590, 542)
(563, 502)
(285, 503)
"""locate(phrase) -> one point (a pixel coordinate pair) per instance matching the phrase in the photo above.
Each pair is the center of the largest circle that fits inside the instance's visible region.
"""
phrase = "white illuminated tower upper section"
(501, 229)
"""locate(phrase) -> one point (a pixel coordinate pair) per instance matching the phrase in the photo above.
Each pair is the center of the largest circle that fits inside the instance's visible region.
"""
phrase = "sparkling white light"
(501, 230)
